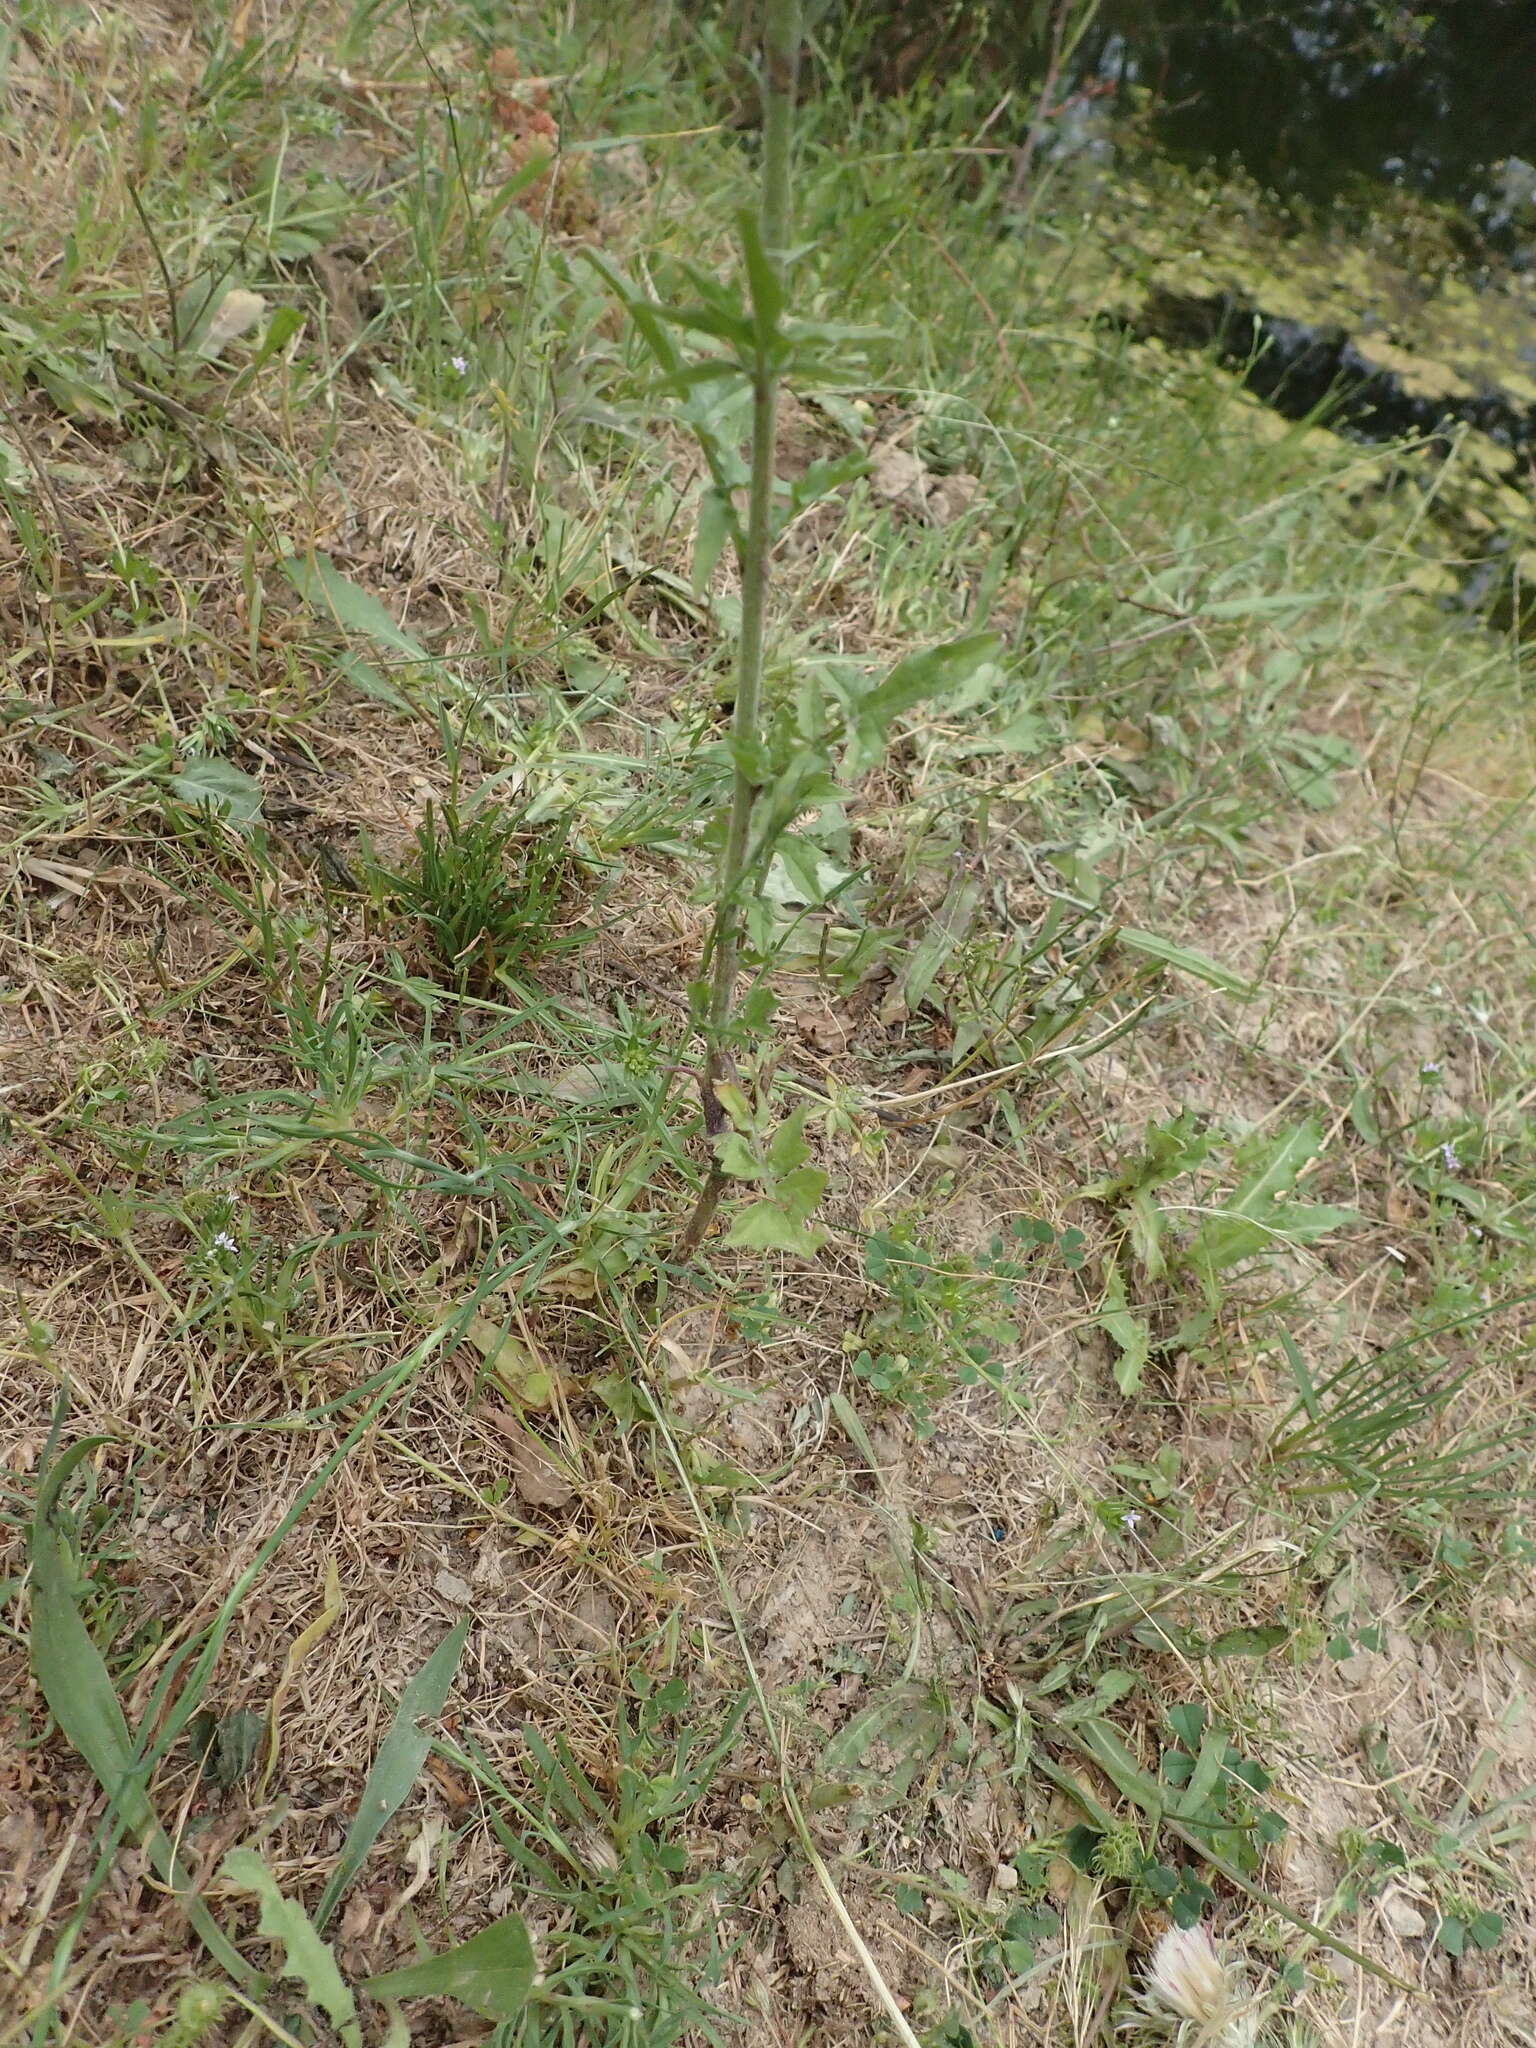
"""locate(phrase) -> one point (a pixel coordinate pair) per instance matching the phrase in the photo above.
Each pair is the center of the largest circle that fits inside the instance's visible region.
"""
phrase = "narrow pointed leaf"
(75, 1682)
(398, 1763)
(936, 672)
(1187, 960)
(346, 604)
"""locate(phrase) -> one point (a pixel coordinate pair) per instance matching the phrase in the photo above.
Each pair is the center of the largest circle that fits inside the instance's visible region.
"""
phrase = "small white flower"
(223, 1242)
(460, 364)
(1130, 1520)
(1430, 1067)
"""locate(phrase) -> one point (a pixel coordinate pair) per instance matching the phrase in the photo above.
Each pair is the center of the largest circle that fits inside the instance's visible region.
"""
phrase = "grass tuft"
(486, 889)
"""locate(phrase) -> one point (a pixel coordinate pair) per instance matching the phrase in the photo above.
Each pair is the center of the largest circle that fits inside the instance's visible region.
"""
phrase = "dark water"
(1324, 100)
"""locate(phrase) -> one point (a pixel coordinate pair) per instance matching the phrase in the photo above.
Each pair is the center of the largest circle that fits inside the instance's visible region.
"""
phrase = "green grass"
(996, 1542)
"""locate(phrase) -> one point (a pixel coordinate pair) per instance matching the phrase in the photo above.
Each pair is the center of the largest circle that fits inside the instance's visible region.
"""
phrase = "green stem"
(781, 60)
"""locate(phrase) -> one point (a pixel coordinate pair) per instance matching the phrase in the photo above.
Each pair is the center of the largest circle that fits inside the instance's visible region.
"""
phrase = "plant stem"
(781, 59)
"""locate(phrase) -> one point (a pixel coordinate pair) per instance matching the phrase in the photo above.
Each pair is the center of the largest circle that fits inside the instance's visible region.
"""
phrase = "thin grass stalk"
(781, 62)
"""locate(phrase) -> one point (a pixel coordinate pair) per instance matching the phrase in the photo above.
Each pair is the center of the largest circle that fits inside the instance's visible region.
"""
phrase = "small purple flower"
(460, 364)
(1450, 1158)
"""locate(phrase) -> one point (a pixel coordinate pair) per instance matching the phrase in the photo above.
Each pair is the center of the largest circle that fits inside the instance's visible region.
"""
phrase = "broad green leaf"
(74, 1681)
(949, 927)
(62, 373)
(800, 873)
(714, 321)
(824, 476)
(492, 1973)
(1027, 733)
(934, 673)
(1257, 1216)
(1205, 1777)
(1146, 1223)
(306, 1958)
(1248, 1642)
(77, 394)
(1227, 1241)
(346, 604)
(1265, 604)
(640, 311)
(788, 1148)
(799, 1191)
(522, 1377)
(1452, 1934)
(1188, 1723)
(1108, 1749)
(209, 779)
(769, 1227)
(1200, 965)
(1279, 1170)
(909, 1723)
(1485, 1212)
(1486, 1929)
(398, 1763)
(732, 1099)
(737, 1158)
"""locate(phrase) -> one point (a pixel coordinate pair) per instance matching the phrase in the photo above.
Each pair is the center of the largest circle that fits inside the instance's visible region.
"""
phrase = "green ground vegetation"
(1078, 1482)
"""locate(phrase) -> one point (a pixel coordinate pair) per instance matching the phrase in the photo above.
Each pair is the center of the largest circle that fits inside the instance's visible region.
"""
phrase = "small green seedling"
(780, 1220)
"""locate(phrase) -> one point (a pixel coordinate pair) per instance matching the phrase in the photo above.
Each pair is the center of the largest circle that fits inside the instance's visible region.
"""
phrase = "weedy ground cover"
(1073, 1481)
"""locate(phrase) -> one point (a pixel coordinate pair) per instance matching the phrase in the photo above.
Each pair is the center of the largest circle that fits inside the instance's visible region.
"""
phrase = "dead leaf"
(823, 1030)
(1402, 1916)
(569, 1283)
(539, 1481)
(237, 311)
(298, 1651)
(521, 1376)
(594, 1081)
(356, 1918)
(450, 1784)
(59, 874)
